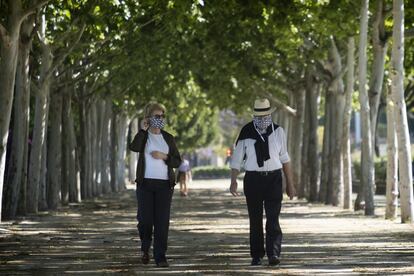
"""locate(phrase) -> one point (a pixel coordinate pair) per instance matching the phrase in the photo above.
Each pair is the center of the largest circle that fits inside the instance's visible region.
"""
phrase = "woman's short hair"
(151, 107)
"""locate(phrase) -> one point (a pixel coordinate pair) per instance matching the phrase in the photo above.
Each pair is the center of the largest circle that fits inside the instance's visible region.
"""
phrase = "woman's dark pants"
(154, 204)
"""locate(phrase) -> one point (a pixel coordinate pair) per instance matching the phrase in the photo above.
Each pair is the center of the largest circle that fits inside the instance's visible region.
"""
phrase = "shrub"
(210, 172)
(380, 174)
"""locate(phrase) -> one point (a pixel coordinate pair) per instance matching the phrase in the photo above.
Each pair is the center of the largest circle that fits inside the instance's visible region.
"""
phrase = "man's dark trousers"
(262, 189)
(154, 204)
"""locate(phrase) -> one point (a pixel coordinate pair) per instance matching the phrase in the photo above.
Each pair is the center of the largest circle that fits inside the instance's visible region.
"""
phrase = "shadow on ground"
(208, 235)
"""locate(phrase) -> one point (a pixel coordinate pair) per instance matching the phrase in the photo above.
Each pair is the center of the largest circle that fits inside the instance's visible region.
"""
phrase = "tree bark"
(122, 143)
(379, 39)
(346, 141)
(42, 200)
(8, 63)
(133, 156)
(54, 157)
(106, 142)
(367, 162)
(313, 158)
(323, 192)
(303, 190)
(83, 140)
(392, 162)
(73, 153)
(98, 147)
(337, 87)
(66, 148)
(92, 133)
(39, 133)
(15, 189)
(114, 151)
(296, 137)
(403, 136)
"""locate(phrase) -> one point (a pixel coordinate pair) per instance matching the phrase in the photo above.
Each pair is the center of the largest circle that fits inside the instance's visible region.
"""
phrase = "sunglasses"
(158, 116)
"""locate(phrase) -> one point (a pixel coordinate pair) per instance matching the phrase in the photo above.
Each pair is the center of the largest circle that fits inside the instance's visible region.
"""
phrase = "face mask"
(156, 122)
(262, 122)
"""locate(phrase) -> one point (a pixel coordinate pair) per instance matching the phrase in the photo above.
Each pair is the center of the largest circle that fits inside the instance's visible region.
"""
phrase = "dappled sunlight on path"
(208, 235)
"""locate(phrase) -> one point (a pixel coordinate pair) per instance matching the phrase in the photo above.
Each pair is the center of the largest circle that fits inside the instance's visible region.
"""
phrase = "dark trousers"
(264, 190)
(154, 204)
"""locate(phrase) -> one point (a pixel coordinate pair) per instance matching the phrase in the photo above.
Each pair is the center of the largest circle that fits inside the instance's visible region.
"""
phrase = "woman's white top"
(155, 168)
(244, 154)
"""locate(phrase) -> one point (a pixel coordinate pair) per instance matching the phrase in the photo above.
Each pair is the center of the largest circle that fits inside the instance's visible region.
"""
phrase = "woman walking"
(155, 182)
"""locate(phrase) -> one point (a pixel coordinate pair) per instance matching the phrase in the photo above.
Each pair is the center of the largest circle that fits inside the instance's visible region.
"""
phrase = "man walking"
(261, 147)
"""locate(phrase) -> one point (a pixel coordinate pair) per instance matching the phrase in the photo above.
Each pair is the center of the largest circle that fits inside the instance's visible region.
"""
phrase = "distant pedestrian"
(261, 146)
(184, 176)
(155, 182)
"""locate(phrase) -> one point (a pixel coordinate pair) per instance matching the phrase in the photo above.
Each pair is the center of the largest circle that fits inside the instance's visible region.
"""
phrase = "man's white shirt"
(244, 154)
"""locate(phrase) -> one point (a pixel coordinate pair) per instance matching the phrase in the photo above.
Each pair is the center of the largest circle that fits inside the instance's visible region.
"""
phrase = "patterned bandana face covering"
(156, 122)
(262, 122)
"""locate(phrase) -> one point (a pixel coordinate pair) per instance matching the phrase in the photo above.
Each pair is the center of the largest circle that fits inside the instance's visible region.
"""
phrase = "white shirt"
(155, 168)
(277, 151)
(185, 166)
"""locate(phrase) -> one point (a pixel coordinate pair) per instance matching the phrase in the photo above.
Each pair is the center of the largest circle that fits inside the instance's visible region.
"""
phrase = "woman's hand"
(144, 124)
(159, 155)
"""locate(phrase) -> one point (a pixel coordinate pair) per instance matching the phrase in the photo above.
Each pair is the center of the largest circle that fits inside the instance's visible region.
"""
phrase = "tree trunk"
(297, 135)
(99, 105)
(114, 151)
(122, 143)
(377, 77)
(54, 158)
(42, 200)
(323, 192)
(106, 142)
(304, 173)
(73, 152)
(337, 87)
(133, 156)
(38, 141)
(404, 147)
(346, 141)
(83, 143)
(66, 147)
(8, 62)
(392, 162)
(313, 157)
(367, 162)
(15, 189)
(92, 133)
(331, 156)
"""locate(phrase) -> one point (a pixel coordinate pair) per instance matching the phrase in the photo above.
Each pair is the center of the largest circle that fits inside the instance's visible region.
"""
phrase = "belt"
(264, 173)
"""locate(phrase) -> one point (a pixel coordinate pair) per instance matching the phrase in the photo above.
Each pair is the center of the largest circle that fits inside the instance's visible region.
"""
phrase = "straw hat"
(262, 107)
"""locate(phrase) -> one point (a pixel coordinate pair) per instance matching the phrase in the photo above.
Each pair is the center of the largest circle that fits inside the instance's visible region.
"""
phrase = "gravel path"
(208, 235)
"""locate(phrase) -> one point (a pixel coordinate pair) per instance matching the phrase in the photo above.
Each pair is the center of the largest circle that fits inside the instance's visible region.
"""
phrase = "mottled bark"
(54, 157)
(346, 141)
(367, 162)
(403, 136)
(392, 162)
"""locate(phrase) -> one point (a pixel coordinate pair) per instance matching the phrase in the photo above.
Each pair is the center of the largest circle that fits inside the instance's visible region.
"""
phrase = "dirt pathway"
(208, 235)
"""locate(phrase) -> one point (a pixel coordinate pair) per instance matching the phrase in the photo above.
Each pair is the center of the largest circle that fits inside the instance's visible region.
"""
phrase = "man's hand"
(290, 190)
(233, 187)
(159, 155)
(290, 187)
(233, 183)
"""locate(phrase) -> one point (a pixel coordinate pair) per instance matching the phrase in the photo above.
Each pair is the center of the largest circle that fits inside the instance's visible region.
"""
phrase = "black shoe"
(256, 261)
(163, 263)
(274, 260)
(145, 257)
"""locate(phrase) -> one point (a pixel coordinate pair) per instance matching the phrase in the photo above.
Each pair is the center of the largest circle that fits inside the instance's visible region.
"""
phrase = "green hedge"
(380, 175)
(210, 172)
